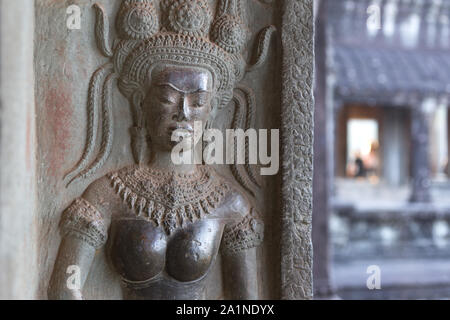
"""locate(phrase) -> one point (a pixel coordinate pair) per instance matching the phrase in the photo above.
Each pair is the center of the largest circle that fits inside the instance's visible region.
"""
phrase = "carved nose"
(183, 110)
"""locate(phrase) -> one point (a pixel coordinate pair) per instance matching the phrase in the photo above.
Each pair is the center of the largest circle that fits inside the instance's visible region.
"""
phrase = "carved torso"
(146, 258)
(172, 230)
(168, 228)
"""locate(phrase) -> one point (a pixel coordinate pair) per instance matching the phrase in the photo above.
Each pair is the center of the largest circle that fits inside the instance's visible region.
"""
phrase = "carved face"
(178, 97)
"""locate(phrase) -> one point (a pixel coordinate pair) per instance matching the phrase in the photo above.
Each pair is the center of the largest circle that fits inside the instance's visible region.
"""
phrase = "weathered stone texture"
(297, 149)
(64, 61)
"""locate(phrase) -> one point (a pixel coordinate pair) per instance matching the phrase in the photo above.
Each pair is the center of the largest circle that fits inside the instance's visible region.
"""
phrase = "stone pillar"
(438, 141)
(448, 143)
(297, 38)
(18, 227)
(394, 152)
(420, 139)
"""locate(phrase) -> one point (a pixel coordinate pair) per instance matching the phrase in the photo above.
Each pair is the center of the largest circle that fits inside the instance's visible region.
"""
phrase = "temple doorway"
(363, 158)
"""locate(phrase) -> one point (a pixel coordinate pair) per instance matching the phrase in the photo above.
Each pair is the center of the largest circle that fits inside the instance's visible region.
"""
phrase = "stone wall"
(18, 217)
(43, 132)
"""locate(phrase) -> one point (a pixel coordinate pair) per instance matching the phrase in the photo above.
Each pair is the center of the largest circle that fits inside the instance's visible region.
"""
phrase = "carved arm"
(240, 268)
(84, 230)
(240, 275)
(72, 265)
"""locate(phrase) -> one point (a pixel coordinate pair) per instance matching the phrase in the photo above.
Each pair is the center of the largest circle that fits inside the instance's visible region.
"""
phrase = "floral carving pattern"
(189, 17)
(229, 33)
(137, 20)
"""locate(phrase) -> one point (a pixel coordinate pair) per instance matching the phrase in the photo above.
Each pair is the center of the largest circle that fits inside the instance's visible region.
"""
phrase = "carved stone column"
(394, 148)
(297, 149)
(448, 143)
(420, 161)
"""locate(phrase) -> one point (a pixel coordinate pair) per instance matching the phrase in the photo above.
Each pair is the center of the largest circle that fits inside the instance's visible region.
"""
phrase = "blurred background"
(382, 145)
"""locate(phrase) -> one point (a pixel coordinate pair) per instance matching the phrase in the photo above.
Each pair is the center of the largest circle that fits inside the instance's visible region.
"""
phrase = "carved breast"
(168, 229)
(140, 251)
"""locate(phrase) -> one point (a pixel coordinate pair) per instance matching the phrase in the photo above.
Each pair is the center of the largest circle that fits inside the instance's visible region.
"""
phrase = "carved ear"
(139, 144)
(136, 104)
(138, 132)
(215, 105)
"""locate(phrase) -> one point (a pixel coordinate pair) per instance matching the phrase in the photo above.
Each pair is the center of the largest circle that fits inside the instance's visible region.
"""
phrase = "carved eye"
(199, 104)
(200, 100)
(166, 100)
(166, 95)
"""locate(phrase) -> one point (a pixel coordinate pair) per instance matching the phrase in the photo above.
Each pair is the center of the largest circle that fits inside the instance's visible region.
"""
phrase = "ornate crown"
(183, 32)
(180, 32)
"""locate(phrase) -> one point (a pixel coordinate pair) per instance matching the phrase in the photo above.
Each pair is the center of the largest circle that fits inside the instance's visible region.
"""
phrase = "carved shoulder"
(238, 206)
(101, 195)
(236, 203)
(88, 217)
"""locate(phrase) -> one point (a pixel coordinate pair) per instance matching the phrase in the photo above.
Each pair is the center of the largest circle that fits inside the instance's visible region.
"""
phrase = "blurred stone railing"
(404, 231)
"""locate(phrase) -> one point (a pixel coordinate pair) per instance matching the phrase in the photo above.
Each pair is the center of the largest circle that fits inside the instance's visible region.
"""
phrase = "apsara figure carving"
(163, 225)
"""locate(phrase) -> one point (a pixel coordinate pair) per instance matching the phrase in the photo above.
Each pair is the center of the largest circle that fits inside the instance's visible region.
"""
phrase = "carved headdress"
(182, 37)
(179, 32)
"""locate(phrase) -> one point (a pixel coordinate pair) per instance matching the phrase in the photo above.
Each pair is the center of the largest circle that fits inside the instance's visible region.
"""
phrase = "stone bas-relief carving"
(163, 225)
